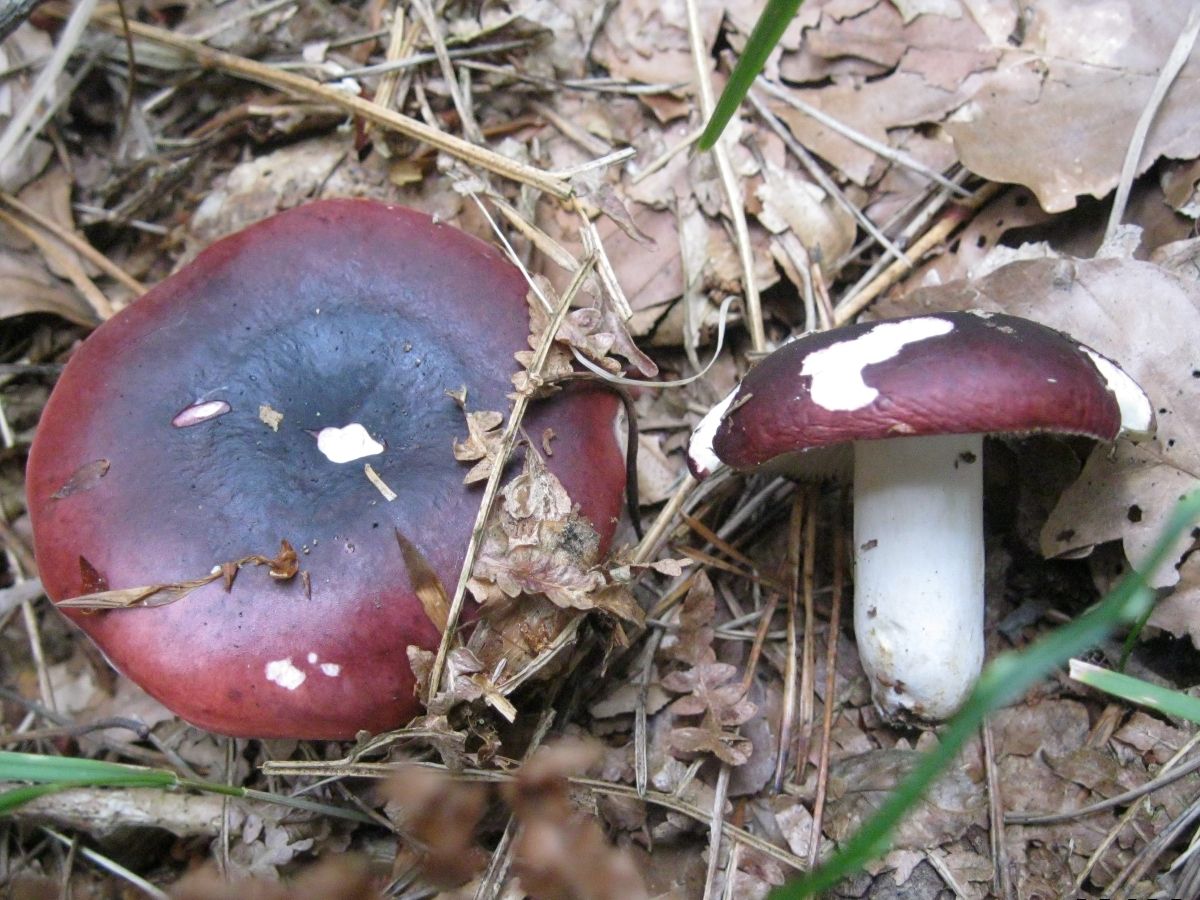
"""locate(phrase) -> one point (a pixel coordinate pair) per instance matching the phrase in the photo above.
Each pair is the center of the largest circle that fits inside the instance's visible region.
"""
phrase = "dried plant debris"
(561, 850)
(120, 176)
(284, 566)
(438, 818)
(349, 877)
(539, 545)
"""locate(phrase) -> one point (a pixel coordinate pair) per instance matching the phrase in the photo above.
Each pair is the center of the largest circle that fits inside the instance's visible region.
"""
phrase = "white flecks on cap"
(343, 445)
(332, 670)
(700, 449)
(204, 411)
(837, 370)
(284, 674)
(1137, 415)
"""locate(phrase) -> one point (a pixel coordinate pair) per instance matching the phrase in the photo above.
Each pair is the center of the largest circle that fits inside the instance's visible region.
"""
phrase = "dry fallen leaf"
(713, 692)
(1058, 113)
(482, 444)
(425, 581)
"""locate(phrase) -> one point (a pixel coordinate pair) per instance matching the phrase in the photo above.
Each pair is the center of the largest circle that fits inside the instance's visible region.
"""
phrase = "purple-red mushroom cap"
(237, 405)
(969, 372)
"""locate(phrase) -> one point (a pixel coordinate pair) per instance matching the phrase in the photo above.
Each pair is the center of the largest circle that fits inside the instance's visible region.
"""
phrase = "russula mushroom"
(914, 397)
(239, 404)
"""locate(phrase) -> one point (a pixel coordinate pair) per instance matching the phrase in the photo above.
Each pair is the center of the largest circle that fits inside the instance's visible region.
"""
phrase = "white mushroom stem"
(918, 581)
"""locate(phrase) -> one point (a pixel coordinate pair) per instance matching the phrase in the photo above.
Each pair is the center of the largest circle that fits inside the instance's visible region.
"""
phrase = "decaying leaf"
(482, 444)
(691, 642)
(465, 681)
(712, 693)
(1062, 127)
(791, 202)
(858, 784)
(425, 581)
(537, 544)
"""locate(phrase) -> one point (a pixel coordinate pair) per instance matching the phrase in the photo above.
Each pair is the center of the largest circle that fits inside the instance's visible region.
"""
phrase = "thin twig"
(462, 107)
(54, 253)
(807, 697)
(1001, 883)
(110, 866)
(76, 243)
(1112, 802)
(606, 788)
(659, 162)
(787, 718)
(1135, 809)
(716, 823)
(69, 39)
(821, 177)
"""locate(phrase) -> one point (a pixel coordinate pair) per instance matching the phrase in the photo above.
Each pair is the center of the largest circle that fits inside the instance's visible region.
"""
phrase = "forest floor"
(1033, 157)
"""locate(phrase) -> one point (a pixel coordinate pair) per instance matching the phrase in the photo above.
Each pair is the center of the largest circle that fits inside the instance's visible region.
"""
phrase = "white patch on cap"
(837, 370)
(333, 670)
(284, 674)
(1137, 415)
(343, 445)
(312, 659)
(700, 448)
(203, 411)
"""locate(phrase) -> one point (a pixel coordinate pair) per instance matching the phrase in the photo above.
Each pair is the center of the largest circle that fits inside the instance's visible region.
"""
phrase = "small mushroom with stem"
(913, 398)
(291, 384)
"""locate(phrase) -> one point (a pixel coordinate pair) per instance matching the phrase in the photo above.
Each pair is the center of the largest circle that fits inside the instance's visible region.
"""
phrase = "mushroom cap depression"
(236, 405)
(967, 372)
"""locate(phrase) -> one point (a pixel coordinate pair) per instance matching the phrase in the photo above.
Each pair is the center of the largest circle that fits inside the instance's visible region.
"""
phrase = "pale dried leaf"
(1062, 127)
(484, 434)
(425, 581)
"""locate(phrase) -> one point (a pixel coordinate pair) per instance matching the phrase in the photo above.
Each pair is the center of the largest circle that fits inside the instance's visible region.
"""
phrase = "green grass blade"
(51, 769)
(766, 34)
(1160, 699)
(1005, 679)
(57, 773)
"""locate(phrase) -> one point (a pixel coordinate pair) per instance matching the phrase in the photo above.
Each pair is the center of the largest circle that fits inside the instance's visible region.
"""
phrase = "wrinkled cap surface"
(948, 373)
(236, 405)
